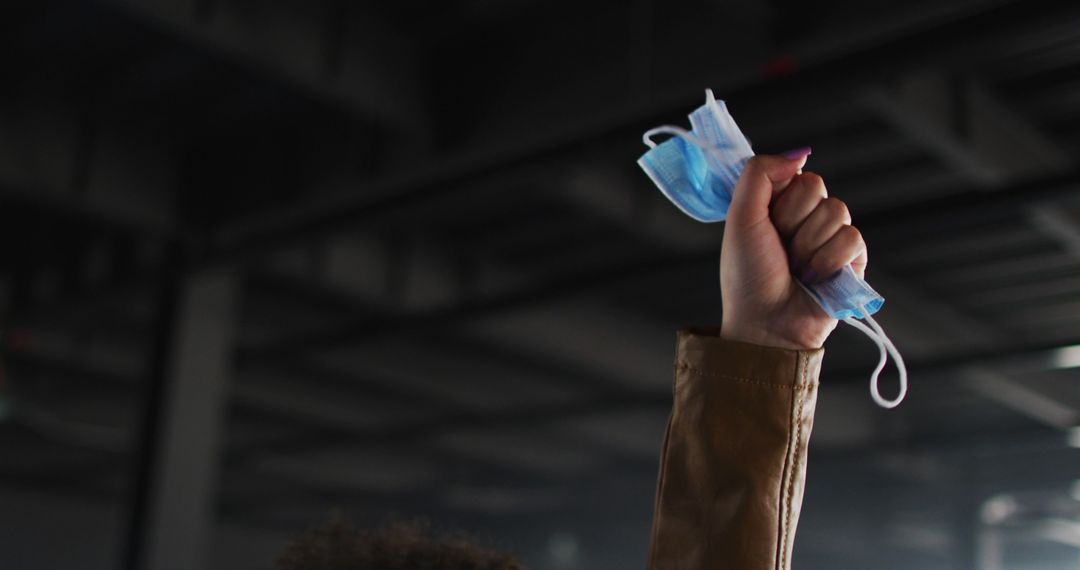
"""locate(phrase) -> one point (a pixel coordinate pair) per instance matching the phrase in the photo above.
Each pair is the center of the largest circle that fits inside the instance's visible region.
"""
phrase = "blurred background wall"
(264, 260)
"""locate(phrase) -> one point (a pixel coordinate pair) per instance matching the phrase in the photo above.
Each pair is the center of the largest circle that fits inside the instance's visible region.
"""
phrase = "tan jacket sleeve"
(734, 459)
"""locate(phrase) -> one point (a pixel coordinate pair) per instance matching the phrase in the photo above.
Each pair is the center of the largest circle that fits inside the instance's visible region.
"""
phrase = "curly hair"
(337, 545)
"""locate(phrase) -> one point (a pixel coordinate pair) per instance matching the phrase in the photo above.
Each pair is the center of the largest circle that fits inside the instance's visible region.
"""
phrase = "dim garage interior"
(267, 261)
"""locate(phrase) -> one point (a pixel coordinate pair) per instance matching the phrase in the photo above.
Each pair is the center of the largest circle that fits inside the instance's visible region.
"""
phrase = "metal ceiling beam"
(560, 372)
(1032, 444)
(80, 479)
(108, 182)
(1014, 395)
(475, 469)
(321, 438)
(954, 211)
(609, 194)
(369, 327)
(393, 203)
(924, 324)
(1023, 356)
(518, 416)
(328, 431)
(532, 294)
(960, 121)
(560, 498)
(1030, 357)
(1058, 225)
(111, 188)
(338, 53)
(993, 201)
(937, 43)
(985, 446)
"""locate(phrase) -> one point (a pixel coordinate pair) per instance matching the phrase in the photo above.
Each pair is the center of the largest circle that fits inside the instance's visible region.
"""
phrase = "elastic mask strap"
(688, 136)
(886, 348)
(678, 132)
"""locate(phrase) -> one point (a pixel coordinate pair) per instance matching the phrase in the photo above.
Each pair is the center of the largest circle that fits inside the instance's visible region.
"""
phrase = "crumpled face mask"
(697, 170)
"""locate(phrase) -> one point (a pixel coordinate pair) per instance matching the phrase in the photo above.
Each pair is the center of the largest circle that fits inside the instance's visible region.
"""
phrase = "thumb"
(763, 177)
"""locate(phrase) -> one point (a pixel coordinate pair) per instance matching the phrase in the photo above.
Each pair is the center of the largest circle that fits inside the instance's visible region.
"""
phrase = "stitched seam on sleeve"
(796, 417)
(778, 558)
(733, 378)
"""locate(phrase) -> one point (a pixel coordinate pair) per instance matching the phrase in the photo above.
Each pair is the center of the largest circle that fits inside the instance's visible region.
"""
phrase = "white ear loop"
(876, 334)
(690, 137)
(685, 135)
(675, 131)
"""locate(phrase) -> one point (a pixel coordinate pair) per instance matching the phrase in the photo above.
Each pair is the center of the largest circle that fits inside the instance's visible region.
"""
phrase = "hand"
(781, 221)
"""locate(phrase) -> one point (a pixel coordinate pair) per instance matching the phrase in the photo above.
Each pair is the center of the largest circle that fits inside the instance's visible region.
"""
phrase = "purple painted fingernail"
(797, 153)
(809, 277)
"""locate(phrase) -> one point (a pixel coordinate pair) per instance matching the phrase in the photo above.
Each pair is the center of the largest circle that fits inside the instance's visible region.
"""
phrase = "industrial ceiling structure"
(397, 259)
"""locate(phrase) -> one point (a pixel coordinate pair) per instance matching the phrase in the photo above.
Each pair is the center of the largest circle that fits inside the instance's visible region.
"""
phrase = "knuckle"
(826, 262)
(851, 234)
(813, 180)
(854, 241)
(836, 208)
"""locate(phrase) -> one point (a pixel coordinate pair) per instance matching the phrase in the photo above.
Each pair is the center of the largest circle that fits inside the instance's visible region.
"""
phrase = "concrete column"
(173, 511)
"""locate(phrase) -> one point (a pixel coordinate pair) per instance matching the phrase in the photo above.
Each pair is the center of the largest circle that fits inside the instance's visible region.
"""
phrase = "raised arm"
(734, 457)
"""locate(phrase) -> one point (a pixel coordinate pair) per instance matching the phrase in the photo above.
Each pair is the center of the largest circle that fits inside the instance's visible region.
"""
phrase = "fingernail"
(797, 153)
(809, 277)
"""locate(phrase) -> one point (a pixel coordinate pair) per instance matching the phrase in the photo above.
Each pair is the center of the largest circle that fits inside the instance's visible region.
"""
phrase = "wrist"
(760, 335)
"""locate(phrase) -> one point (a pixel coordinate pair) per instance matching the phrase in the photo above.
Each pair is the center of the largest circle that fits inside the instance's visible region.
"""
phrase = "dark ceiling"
(458, 295)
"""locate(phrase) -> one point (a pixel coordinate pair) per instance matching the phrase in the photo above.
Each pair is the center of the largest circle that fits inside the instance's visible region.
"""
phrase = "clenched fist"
(782, 222)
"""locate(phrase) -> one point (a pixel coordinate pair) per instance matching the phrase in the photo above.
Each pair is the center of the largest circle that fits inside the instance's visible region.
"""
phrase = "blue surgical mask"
(697, 170)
